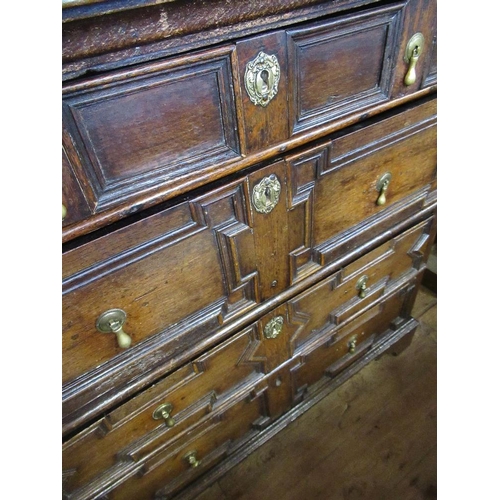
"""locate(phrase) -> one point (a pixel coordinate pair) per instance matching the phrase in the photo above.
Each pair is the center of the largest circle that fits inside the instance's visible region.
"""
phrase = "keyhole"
(263, 82)
(267, 194)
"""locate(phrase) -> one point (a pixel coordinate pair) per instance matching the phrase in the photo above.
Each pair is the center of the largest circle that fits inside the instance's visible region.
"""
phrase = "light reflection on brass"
(413, 51)
(382, 186)
(262, 76)
(273, 327)
(266, 194)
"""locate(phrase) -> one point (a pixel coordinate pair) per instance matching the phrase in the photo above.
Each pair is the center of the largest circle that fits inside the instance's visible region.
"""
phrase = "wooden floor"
(373, 438)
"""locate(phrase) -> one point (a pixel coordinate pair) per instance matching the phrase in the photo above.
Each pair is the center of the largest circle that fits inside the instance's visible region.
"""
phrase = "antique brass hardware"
(413, 51)
(262, 76)
(361, 286)
(64, 211)
(266, 194)
(163, 412)
(112, 322)
(191, 459)
(273, 327)
(352, 346)
(382, 185)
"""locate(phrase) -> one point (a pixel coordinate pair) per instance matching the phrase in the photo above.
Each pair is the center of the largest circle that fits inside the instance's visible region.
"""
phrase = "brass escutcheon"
(262, 76)
(273, 327)
(413, 51)
(163, 412)
(112, 322)
(266, 194)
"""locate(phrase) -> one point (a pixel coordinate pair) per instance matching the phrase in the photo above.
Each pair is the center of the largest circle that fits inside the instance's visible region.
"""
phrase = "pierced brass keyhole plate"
(262, 76)
(266, 194)
(273, 327)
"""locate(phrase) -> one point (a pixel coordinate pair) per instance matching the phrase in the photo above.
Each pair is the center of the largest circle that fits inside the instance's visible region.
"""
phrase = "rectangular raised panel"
(333, 301)
(342, 65)
(334, 185)
(179, 275)
(331, 353)
(140, 129)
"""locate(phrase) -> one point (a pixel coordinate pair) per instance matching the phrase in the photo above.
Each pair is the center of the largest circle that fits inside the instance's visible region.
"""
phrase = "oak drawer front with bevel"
(139, 129)
(139, 475)
(335, 300)
(342, 65)
(331, 353)
(166, 416)
(171, 270)
(337, 189)
(167, 411)
(164, 473)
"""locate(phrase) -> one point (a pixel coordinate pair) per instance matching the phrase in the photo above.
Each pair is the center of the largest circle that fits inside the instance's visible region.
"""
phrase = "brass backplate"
(262, 76)
(266, 194)
(273, 327)
(416, 42)
(106, 319)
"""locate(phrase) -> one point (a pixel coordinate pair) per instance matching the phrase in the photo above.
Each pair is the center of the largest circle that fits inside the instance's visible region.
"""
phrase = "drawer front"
(335, 300)
(74, 204)
(228, 386)
(342, 65)
(137, 130)
(165, 473)
(189, 268)
(335, 187)
(329, 354)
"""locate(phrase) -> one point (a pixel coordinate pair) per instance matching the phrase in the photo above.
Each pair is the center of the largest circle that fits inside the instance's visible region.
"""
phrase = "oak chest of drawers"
(249, 200)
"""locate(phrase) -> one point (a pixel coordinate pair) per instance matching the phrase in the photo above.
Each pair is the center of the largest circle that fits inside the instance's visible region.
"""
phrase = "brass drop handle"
(112, 322)
(64, 211)
(191, 459)
(382, 186)
(412, 53)
(352, 346)
(361, 286)
(164, 412)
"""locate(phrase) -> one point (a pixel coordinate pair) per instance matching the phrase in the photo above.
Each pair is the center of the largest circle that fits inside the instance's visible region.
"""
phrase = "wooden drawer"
(138, 475)
(192, 393)
(337, 299)
(343, 65)
(133, 131)
(334, 187)
(205, 395)
(328, 354)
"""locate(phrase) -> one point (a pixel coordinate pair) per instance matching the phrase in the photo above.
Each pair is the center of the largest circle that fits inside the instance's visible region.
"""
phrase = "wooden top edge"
(80, 9)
